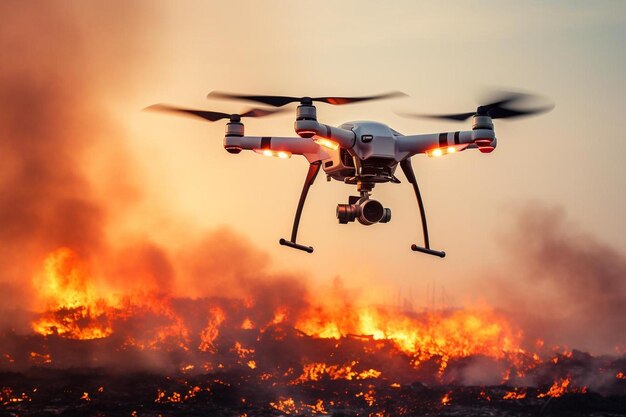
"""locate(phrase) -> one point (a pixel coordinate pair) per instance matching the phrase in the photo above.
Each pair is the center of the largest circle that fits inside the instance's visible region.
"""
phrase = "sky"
(444, 56)
(555, 177)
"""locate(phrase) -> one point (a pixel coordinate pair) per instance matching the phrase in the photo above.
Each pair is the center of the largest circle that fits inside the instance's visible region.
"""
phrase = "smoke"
(45, 200)
(565, 285)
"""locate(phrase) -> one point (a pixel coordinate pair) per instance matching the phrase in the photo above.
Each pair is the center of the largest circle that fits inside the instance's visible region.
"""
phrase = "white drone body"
(362, 153)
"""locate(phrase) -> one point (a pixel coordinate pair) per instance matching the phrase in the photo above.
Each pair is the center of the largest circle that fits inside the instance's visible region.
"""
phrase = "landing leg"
(407, 168)
(314, 168)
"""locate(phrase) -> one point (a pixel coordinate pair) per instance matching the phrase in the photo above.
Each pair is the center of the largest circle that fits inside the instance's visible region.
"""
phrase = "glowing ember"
(7, 396)
(484, 396)
(514, 395)
(446, 399)
(317, 371)
(286, 406)
(40, 358)
(369, 397)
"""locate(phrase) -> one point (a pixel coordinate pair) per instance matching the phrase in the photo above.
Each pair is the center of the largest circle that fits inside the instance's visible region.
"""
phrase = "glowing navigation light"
(451, 149)
(437, 152)
(278, 154)
(327, 143)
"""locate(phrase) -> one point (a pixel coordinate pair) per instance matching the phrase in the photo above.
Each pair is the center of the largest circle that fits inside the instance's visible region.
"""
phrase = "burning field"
(147, 353)
(102, 316)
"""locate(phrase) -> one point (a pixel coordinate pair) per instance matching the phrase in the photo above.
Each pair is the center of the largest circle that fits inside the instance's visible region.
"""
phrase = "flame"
(446, 399)
(560, 387)
(286, 406)
(247, 324)
(317, 370)
(514, 395)
(369, 397)
(74, 306)
(444, 335)
(74, 310)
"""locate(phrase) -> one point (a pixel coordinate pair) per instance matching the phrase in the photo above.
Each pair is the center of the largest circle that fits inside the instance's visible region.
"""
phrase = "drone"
(360, 153)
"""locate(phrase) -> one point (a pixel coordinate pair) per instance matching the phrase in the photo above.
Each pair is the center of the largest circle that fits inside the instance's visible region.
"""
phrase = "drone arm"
(407, 168)
(312, 128)
(276, 146)
(460, 140)
(314, 168)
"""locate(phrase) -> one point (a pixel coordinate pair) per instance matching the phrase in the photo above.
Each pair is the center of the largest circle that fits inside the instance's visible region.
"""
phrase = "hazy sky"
(444, 55)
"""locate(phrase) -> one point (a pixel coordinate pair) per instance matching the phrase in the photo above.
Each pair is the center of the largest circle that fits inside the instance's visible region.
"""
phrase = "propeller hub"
(235, 118)
(482, 122)
(306, 112)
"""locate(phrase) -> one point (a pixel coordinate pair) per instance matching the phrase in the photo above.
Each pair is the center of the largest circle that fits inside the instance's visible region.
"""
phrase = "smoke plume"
(569, 286)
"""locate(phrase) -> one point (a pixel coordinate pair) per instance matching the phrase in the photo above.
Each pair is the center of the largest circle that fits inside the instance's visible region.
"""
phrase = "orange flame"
(561, 387)
(514, 395)
(317, 370)
(74, 309)
(445, 335)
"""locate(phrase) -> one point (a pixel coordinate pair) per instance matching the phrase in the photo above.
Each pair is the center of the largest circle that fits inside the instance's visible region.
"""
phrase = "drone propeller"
(279, 101)
(497, 109)
(212, 116)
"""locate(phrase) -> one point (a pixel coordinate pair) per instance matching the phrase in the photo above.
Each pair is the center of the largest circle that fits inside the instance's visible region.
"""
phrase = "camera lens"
(371, 212)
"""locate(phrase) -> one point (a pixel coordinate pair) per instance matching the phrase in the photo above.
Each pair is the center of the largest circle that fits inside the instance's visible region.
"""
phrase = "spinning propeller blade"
(211, 116)
(279, 101)
(496, 109)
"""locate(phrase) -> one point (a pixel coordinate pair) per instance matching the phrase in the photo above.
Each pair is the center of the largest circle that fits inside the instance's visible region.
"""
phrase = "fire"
(316, 371)
(241, 351)
(561, 387)
(369, 397)
(514, 395)
(40, 358)
(445, 335)
(286, 406)
(247, 324)
(484, 396)
(211, 331)
(339, 339)
(7, 396)
(74, 309)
